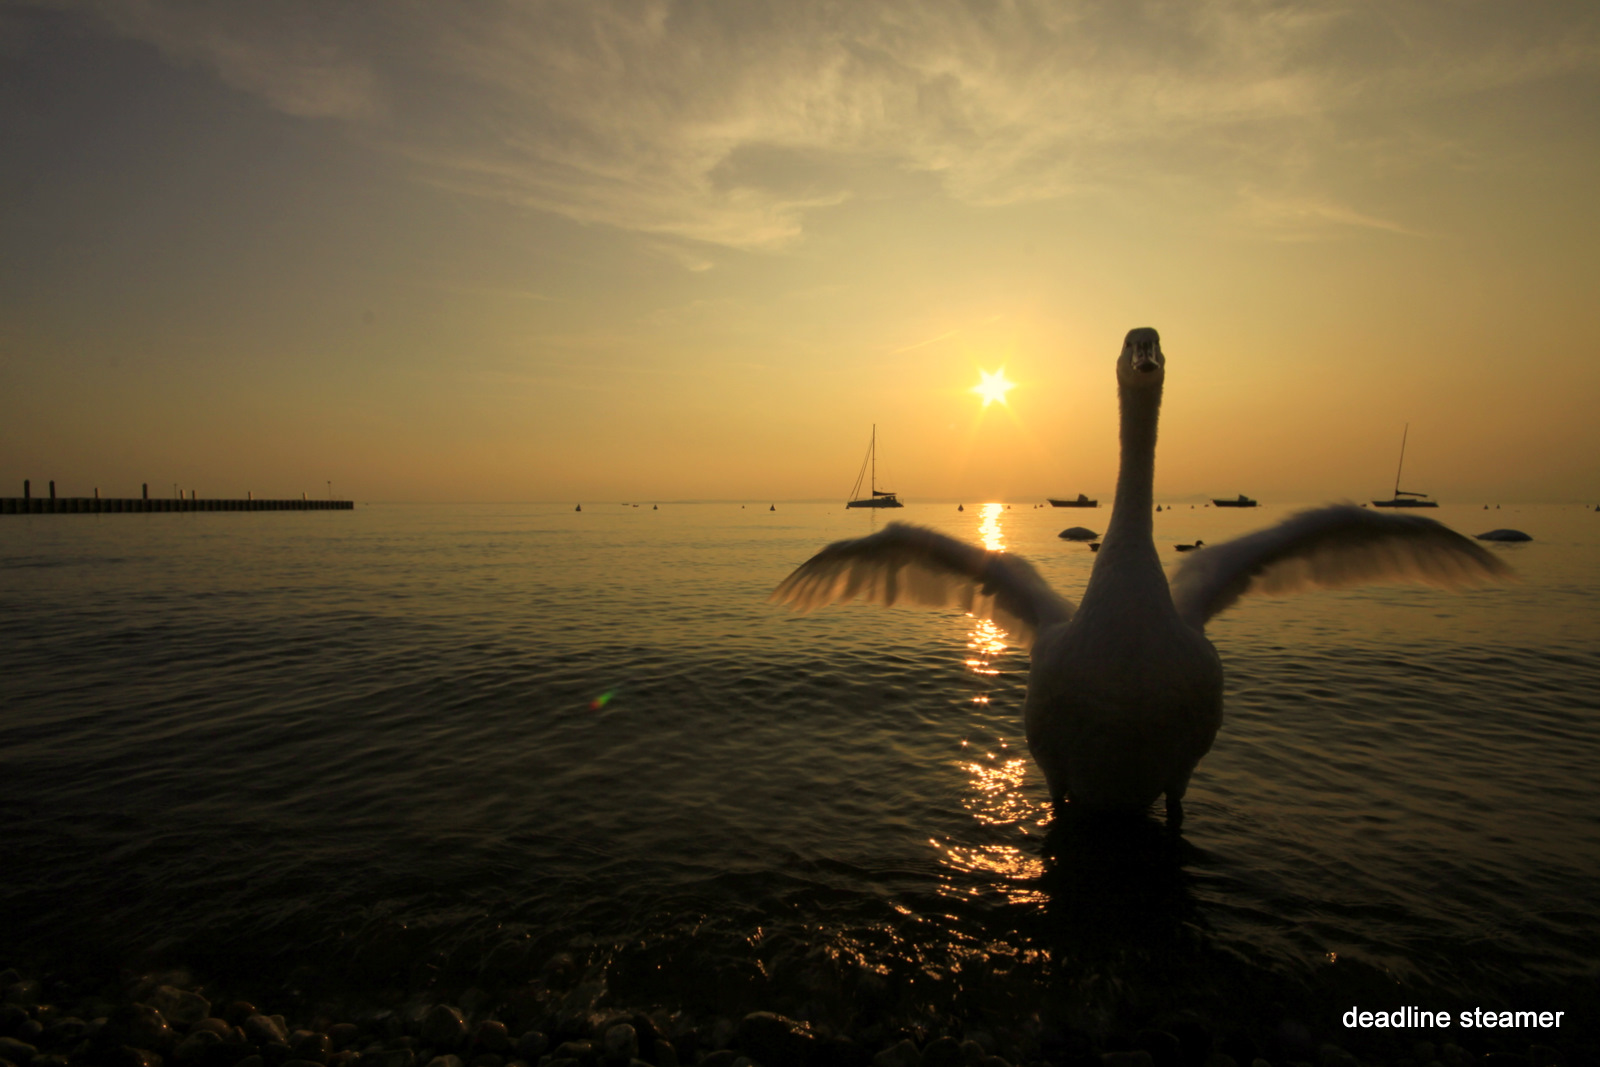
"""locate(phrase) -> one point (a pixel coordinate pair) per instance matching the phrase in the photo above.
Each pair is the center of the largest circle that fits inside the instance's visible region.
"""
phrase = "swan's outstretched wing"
(909, 564)
(1328, 548)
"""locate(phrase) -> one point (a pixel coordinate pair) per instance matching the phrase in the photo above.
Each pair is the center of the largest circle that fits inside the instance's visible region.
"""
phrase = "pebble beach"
(173, 1019)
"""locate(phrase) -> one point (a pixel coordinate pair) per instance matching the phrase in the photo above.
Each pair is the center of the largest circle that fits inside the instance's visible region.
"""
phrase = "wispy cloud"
(924, 344)
(305, 61)
(1307, 218)
(725, 123)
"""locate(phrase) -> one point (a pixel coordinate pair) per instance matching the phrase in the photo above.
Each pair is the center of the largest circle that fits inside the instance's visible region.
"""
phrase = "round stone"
(443, 1027)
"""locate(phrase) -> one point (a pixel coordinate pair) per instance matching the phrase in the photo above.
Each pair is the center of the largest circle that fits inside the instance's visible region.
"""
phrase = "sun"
(993, 387)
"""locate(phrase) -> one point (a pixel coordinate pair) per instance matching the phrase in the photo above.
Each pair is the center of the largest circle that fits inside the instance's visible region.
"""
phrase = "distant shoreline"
(93, 505)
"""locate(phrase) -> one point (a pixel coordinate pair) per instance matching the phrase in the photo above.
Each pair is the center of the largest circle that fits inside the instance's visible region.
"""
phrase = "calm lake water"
(419, 743)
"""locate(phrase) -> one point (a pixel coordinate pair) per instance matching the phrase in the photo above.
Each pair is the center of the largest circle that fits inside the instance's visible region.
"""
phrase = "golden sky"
(598, 250)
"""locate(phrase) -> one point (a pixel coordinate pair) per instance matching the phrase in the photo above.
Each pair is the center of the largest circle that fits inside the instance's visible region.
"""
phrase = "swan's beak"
(1142, 350)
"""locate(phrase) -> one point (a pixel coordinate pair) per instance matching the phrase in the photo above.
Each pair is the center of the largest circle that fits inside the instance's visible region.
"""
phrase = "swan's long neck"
(1131, 518)
(1128, 550)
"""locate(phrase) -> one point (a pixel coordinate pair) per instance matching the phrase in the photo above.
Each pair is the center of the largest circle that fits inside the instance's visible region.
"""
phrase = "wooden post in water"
(52, 488)
(147, 490)
(27, 489)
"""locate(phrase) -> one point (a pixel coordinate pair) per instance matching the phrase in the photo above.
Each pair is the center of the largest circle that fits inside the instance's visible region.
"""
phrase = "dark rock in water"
(654, 1048)
(237, 1012)
(1133, 1058)
(531, 1045)
(138, 1025)
(310, 1045)
(840, 1051)
(488, 1059)
(1331, 1055)
(1545, 1056)
(620, 1043)
(443, 1027)
(192, 1048)
(1293, 1041)
(1240, 1046)
(24, 991)
(726, 1057)
(11, 1017)
(265, 1029)
(225, 1054)
(395, 1057)
(1504, 535)
(343, 1035)
(943, 1052)
(662, 1053)
(1162, 1046)
(66, 1030)
(579, 1051)
(984, 1040)
(722, 1031)
(447, 1060)
(179, 1006)
(775, 1041)
(313, 1063)
(1194, 1039)
(1503, 1059)
(128, 1056)
(491, 1036)
(1077, 533)
(901, 1054)
(18, 1052)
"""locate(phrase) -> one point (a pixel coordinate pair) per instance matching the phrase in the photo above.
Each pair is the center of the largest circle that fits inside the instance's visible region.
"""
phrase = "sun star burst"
(993, 387)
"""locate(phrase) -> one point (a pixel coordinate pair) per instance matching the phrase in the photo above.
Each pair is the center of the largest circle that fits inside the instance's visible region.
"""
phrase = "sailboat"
(879, 498)
(1404, 498)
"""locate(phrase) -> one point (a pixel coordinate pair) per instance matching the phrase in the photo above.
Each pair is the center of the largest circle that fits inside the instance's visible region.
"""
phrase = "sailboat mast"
(874, 450)
(1402, 465)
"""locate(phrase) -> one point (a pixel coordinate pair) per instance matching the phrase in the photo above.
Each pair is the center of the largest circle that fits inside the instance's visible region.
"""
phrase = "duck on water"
(1124, 688)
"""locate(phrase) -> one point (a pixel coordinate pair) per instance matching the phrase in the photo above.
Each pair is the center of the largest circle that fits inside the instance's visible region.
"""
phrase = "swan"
(1124, 688)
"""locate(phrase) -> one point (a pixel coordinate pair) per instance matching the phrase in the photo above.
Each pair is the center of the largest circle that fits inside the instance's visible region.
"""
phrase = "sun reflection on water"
(987, 641)
(996, 774)
(1006, 868)
(989, 528)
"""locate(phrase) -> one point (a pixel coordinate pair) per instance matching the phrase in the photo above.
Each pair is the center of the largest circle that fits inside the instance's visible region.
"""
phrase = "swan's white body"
(1125, 691)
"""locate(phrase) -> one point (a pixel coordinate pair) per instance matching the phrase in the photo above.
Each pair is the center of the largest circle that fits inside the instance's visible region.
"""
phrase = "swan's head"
(1141, 365)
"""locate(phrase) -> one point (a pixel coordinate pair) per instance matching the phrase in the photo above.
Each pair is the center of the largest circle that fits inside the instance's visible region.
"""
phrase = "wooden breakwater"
(93, 505)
